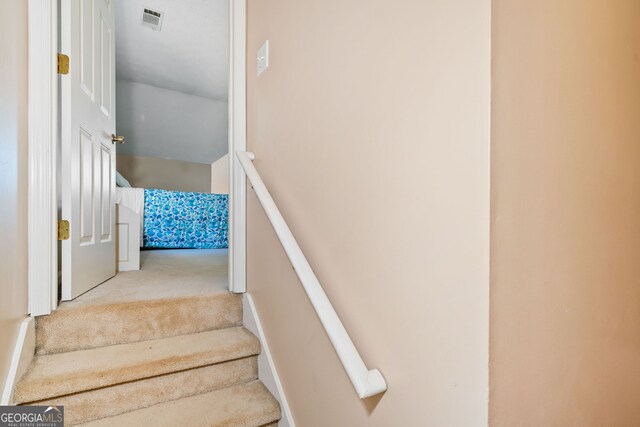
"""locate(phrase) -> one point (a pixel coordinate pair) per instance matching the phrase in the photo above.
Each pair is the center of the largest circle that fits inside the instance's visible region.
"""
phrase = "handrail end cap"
(375, 384)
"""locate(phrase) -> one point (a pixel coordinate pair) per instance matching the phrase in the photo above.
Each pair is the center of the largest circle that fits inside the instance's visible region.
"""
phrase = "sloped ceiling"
(190, 52)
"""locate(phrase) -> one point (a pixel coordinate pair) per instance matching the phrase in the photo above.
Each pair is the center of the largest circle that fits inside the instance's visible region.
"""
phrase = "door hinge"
(63, 64)
(63, 229)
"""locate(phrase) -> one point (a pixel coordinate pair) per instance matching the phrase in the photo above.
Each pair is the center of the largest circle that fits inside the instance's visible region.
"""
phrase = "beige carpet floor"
(196, 271)
(175, 292)
(161, 346)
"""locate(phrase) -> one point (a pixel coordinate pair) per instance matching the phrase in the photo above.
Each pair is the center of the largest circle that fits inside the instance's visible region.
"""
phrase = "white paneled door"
(88, 153)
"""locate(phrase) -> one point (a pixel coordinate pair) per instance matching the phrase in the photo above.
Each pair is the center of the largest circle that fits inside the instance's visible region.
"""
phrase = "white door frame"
(42, 153)
(237, 142)
(42, 147)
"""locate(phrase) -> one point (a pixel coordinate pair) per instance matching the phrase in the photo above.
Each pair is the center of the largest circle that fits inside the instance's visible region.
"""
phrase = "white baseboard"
(266, 368)
(23, 354)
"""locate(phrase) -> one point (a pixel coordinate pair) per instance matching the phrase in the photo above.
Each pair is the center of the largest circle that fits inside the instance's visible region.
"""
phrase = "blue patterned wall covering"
(175, 219)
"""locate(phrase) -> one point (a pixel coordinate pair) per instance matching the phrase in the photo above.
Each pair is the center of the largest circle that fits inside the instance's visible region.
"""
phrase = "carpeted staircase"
(179, 360)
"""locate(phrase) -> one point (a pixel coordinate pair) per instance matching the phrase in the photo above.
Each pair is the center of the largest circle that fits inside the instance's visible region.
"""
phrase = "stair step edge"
(89, 326)
(114, 400)
(244, 405)
(62, 374)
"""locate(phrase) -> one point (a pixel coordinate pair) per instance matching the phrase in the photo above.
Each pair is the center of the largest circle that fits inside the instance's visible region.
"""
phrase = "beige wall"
(177, 175)
(565, 294)
(220, 175)
(168, 124)
(371, 130)
(13, 176)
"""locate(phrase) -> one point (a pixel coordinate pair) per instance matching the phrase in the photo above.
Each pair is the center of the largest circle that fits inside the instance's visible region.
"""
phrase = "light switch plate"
(263, 57)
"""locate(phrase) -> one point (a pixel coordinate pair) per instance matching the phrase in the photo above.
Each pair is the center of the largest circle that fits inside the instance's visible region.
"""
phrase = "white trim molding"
(267, 372)
(43, 128)
(23, 354)
(237, 141)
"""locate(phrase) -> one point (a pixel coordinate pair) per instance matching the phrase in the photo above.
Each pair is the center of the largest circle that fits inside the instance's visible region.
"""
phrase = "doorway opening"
(178, 99)
(172, 171)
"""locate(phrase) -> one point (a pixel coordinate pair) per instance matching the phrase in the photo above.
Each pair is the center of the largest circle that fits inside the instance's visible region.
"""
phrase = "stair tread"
(72, 372)
(76, 326)
(243, 405)
(110, 401)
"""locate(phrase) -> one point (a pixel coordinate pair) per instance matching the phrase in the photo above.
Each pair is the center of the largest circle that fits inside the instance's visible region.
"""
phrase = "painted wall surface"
(371, 130)
(565, 292)
(177, 175)
(220, 175)
(13, 176)
(190, 52)
(168, 124)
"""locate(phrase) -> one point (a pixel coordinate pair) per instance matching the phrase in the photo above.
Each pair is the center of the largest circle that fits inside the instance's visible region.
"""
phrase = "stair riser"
(110, 401)
(102, 325)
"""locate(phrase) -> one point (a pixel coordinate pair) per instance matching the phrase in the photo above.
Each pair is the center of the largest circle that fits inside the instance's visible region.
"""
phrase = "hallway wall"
(165, 174)
(220, 175)
(13, 176)
(168, 124)
(565, 290)
(371, 130)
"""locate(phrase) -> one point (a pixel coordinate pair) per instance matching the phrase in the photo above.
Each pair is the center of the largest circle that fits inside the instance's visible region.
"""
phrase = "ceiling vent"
(152, 19)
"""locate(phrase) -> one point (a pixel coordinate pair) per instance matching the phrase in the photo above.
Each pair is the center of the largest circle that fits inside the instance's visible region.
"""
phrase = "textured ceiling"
(190, 52)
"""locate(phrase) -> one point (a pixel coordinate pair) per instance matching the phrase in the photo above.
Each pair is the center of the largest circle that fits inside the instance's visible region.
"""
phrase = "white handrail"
(367, 382)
